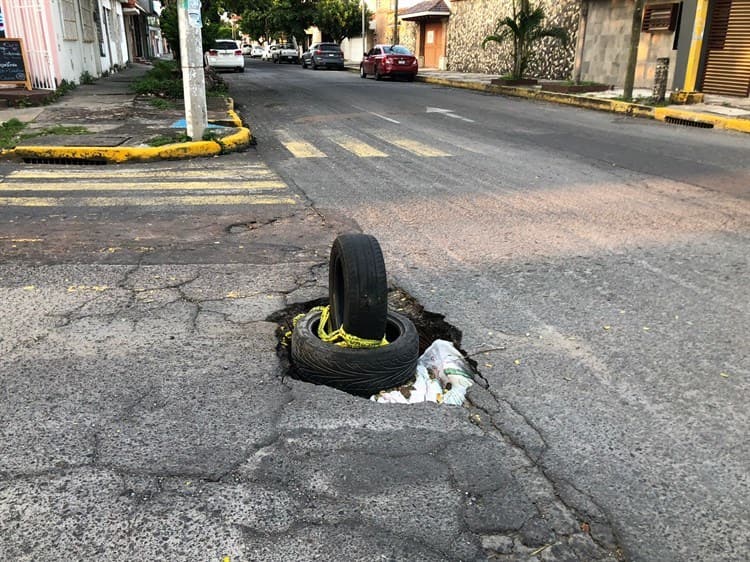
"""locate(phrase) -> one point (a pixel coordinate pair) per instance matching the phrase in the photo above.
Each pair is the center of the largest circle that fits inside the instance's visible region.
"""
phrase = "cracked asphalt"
(144, 416)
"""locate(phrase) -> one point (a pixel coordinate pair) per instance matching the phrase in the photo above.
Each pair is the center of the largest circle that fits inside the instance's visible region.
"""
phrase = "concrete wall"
(607, 44)
(472, 20)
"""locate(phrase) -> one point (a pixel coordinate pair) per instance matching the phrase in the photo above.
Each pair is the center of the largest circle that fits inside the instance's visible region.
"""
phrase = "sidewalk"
(121, 125)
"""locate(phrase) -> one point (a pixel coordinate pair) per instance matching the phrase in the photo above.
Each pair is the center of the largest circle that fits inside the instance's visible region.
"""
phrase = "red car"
(389, 60)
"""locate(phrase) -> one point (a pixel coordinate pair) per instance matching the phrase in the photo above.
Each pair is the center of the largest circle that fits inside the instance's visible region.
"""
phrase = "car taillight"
(238, 52)
(318, 52)
(213, 52)
(389, 60)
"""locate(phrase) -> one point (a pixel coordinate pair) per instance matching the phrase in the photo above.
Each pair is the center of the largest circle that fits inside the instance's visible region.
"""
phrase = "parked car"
(246, 49)
(323, 54)
(256, 52)
(225, 54)
(285, 52)
(395, 61)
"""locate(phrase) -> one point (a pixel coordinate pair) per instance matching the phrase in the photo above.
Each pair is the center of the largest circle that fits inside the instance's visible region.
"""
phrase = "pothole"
(430, 326)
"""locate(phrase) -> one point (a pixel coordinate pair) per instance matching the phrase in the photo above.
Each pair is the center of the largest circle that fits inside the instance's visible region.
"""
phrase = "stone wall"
(472, 20)
(607, 41)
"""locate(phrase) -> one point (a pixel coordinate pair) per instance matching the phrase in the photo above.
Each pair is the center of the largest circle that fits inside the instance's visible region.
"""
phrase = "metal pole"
(191, 60)
(696, 44)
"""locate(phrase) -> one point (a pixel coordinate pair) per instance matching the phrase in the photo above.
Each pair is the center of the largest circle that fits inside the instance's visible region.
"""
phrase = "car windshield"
(396, 50)
(286, 46)
(328, 47)
(225, 45)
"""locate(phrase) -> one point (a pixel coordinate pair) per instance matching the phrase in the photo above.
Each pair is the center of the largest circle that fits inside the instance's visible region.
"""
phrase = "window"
(87, 21)
(70, 23)
(659, 17)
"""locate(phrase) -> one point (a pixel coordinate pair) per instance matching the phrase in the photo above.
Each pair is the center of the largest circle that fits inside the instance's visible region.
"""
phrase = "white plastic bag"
(443, 376)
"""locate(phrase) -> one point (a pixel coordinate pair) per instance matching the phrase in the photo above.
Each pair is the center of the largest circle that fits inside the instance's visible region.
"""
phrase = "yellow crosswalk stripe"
(358, 148)
(145, 201)
(417, 147)
(224, 175)
(155, 186)
(300, 149)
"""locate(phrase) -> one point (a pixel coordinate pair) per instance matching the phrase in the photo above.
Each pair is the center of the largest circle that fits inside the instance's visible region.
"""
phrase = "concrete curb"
(118, 155)
(600, 104)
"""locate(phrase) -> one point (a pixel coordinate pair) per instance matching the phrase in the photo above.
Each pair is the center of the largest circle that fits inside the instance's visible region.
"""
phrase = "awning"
(428, 9)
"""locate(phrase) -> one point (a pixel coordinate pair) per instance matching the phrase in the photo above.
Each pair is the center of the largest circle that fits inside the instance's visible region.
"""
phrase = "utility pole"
(191, 59)
(395, 22)
(635, 37)
(364, 39)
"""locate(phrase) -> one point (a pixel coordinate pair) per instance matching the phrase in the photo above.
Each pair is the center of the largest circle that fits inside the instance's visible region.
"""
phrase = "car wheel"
(378, 76)
(314, 66)
(357, 286)
(304, 64)
(362, 73)
(362, 371)
(411, 77)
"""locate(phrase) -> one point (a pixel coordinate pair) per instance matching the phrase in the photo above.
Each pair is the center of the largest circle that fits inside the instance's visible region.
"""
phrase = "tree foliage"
(524, 28)
(271, 19)
(339, 19)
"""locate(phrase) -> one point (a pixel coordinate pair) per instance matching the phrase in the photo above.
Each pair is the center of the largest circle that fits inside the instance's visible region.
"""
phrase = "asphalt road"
(596, 264)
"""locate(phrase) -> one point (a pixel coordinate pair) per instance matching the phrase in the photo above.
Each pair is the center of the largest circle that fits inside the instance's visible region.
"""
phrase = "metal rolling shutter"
(728, 62)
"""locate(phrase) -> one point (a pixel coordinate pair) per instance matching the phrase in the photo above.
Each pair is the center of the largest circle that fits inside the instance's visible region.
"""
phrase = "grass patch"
(161, 140)
(164, 81)
(161, 103)
(56, 130)
(9, 132)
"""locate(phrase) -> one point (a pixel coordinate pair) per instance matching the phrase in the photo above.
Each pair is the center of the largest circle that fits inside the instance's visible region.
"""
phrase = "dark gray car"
(323, 54)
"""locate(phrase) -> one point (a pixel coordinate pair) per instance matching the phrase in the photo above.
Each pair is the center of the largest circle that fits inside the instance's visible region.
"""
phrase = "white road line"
(377, 115)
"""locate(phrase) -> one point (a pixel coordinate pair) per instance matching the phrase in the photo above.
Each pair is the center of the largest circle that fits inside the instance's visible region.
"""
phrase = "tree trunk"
(635, 37)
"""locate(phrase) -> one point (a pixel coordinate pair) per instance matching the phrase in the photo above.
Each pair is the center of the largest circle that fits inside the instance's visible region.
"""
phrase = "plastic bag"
(443, 376)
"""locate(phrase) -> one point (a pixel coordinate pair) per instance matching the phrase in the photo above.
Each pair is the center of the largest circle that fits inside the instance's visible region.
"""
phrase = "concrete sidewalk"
(122, 126)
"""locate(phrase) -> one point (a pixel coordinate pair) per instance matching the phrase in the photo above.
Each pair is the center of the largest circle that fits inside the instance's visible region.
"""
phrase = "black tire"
(304, 64)
(314, 66)
(362, 73)
(363, 372)
(358, 286)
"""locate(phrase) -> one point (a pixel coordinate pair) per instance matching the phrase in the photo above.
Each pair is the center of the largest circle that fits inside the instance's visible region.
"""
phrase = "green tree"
(339, 19)
(524, 29)
(277, 18)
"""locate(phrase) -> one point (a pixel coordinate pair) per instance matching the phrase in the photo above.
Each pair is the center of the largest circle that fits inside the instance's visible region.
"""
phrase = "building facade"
(74, 39)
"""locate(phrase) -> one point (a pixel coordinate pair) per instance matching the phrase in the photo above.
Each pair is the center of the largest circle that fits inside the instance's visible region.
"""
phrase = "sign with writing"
(13, 63)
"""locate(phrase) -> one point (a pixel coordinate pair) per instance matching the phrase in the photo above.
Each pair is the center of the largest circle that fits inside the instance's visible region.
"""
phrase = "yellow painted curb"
(615, 106)
(117, 155)
(719, 121)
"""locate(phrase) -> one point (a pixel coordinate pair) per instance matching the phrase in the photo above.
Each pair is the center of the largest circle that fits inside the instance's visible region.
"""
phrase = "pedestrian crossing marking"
(172, 201)
(417, 148)
(301, 149)
(155, 186)
(359, 148)
(225, 175)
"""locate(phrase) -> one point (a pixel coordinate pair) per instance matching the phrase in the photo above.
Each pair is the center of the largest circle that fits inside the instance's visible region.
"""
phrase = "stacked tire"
(358, 292)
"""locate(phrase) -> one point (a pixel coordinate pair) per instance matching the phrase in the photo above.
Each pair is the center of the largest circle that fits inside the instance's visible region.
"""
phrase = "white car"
(246, 49)
(225, 55)
(257, 51)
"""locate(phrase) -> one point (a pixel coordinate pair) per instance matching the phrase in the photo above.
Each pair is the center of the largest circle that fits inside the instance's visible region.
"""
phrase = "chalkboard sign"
(13, 63)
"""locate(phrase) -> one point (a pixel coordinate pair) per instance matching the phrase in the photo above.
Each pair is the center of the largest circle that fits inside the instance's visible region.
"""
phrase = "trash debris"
(443, 376)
